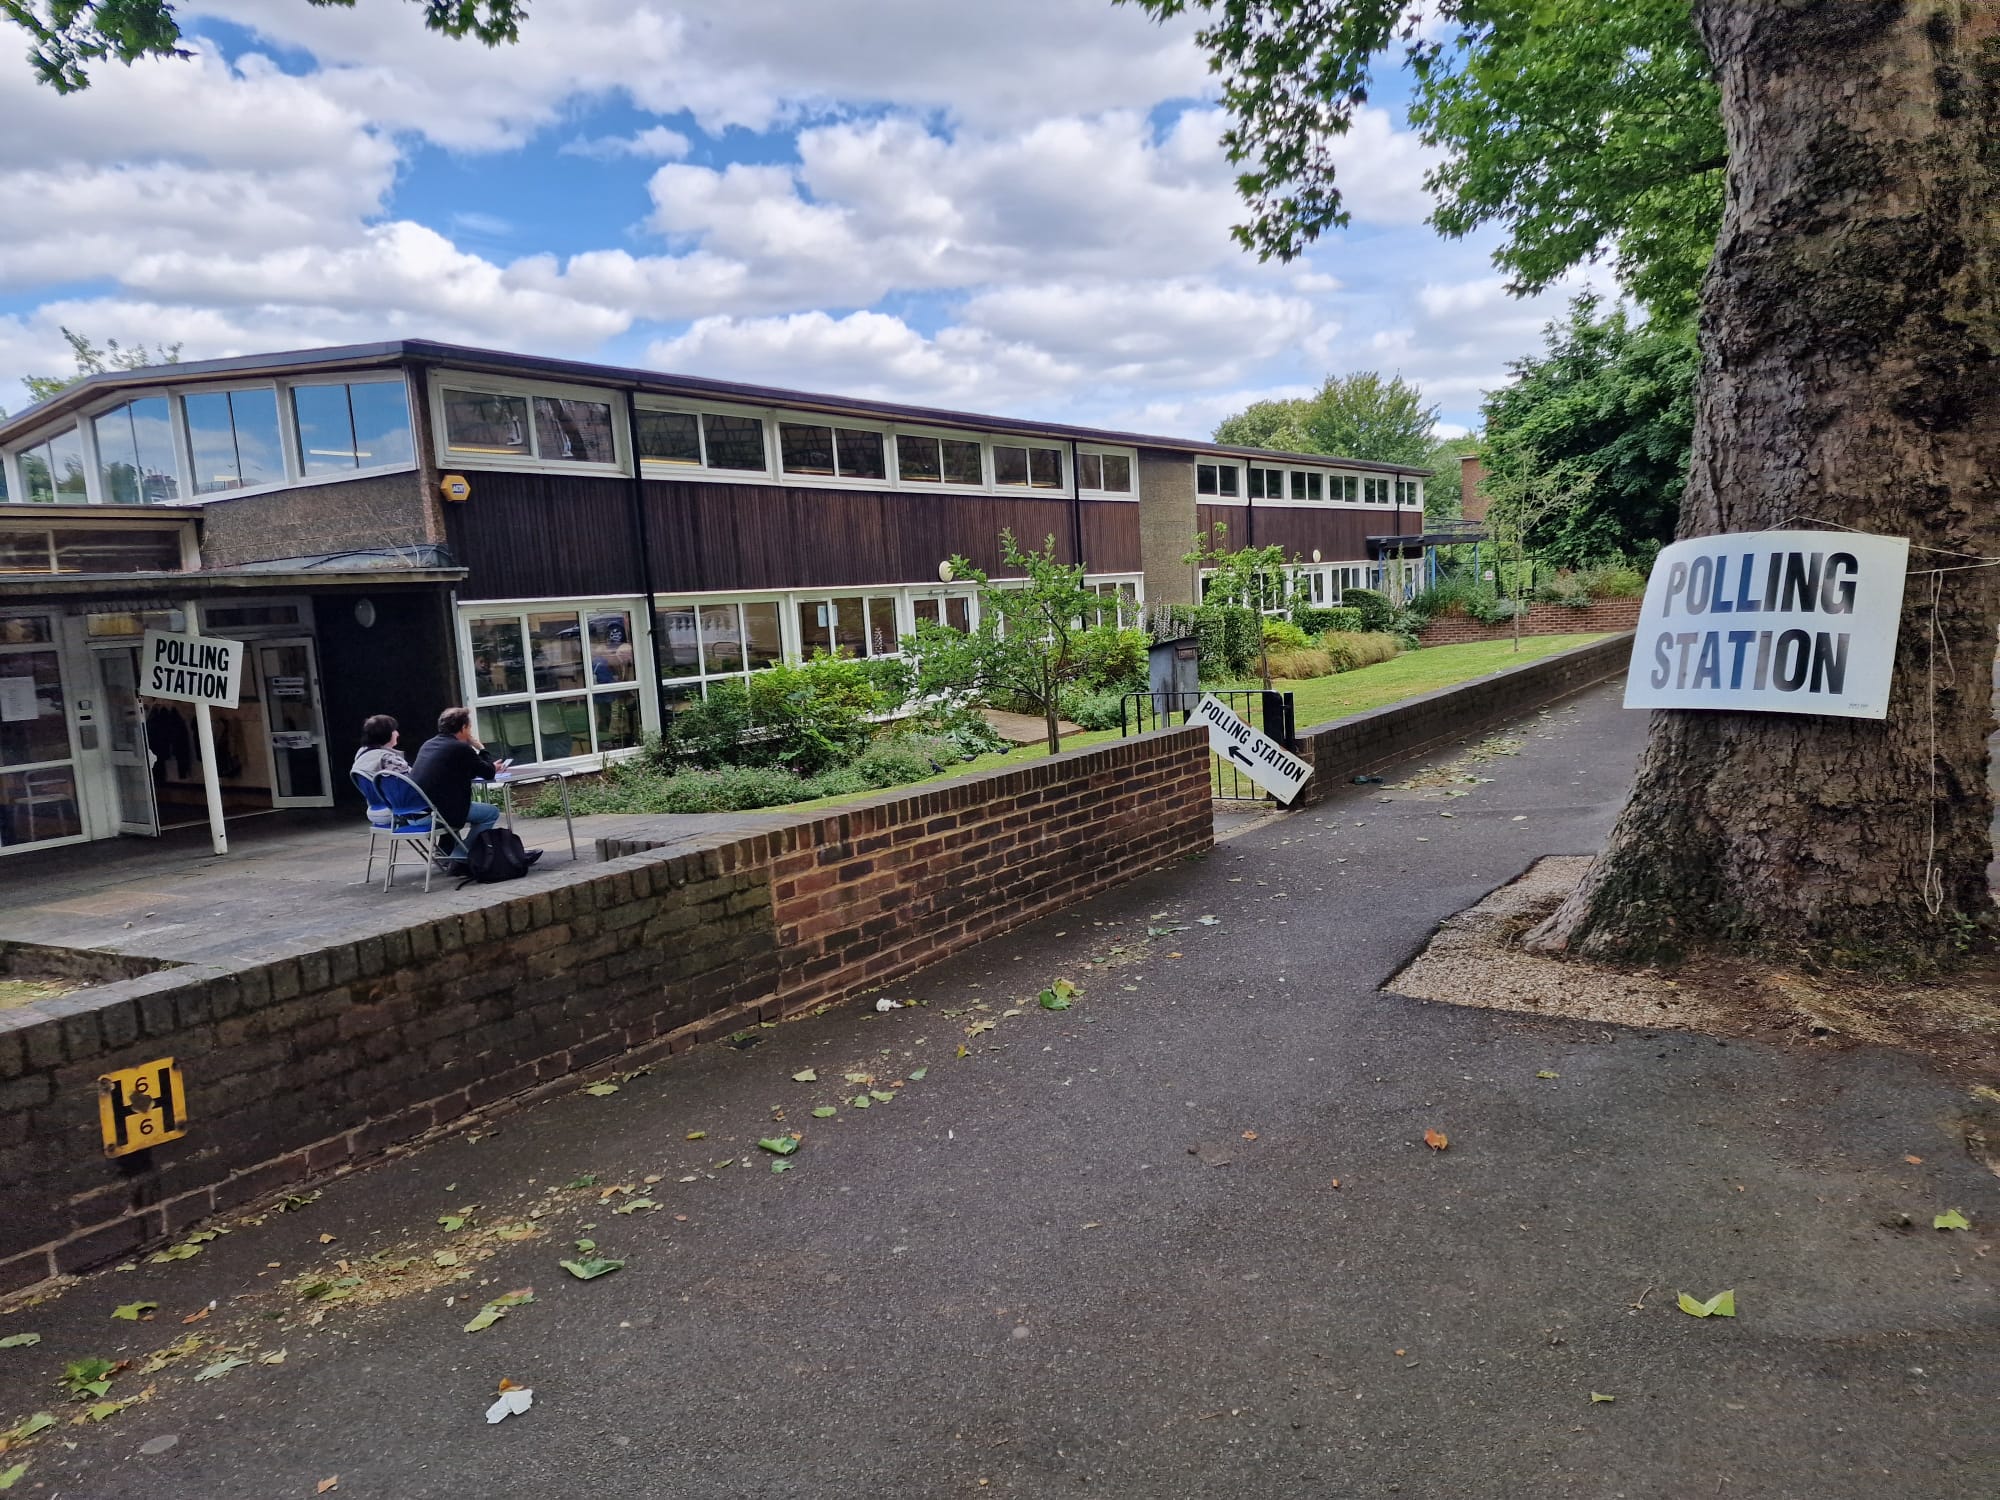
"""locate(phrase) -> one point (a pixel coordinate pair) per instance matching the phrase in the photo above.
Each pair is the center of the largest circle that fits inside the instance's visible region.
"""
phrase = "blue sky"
(1018, 207)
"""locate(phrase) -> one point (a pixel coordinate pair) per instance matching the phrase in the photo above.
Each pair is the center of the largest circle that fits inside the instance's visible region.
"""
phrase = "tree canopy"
(69, 36)
(91, 360)
(1581, 127)
(1586, 451)
(1357, 416)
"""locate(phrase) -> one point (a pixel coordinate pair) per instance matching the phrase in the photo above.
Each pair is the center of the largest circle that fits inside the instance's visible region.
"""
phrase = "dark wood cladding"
(1340, 535)
(544, 536)
(757, 536)
(1111, 536)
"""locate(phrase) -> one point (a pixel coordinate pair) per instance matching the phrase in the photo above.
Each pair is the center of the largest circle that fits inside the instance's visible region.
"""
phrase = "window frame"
(660, 468)
(632, 606)
(780, 417)
(1102, 451)
(448, 457)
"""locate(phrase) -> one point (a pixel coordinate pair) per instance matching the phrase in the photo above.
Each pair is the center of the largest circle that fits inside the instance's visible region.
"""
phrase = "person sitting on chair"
(447, 764)
(378, 752)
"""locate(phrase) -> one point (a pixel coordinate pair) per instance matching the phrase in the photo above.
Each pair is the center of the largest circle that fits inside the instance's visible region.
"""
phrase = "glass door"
(127, 746)
(288, 671)
(39, 799)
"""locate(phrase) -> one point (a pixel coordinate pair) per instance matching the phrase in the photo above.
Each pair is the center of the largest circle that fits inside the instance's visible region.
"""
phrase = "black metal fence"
(1272, 712)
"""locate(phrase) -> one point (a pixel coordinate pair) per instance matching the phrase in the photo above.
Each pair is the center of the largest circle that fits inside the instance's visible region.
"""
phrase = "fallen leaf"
(861, 1101)
(196, 1317)
(326, 1239)
(20, 1340)
(445, 1258)
(452, 1222)
(1915, 1161)
(1058, 996)
(275, 1357)
(1600, 1396)
(1209, 921)
(512, 1232)
(1721, 1305)
(880, 1096)
(41, 1421)
(514, 1399)
(184, 1251)
(589, 1179)
(132, 1312)
(1336, 1182)
(1249, 1135)
(917, 1074)
(805, 1075)
(1437, 1140)
(591, 1268)
(635, 1205)
(1951, 1218)
(963, 1050)
(825, 1112)
(495, 1310)
(11, 1477)
(1545, 1073)
(782, 1145)
(221, 1368)
(599, 1090)
(325, 1485)
(781, 1166)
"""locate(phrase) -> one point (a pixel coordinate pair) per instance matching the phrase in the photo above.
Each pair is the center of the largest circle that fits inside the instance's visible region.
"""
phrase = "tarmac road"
(1062, 1265)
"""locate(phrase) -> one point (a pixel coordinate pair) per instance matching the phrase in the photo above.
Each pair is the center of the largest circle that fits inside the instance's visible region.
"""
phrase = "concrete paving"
(1104, 1252)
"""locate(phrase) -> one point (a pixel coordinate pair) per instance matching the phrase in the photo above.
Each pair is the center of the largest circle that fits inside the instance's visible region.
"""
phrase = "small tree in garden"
(1250, 576)
(1025, 649)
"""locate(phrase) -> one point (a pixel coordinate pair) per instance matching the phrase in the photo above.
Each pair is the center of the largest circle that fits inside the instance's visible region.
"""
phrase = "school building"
(571, 549)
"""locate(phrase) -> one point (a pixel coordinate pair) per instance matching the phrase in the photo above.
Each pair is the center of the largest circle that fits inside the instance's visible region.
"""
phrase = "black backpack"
(495, 854)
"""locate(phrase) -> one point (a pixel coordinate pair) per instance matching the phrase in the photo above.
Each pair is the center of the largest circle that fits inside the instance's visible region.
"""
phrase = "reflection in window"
(24, 552)
(570, 431)
(557, 644)
(805, 450)
(954, 610)
(882, 639)
(233, 439)
(721, 639)
(929, 460)
(670, 437)
(611, 655)
(112, 550)
(578, 694)
(485, 422)
(362, 425)
(679, 644)
(734, 442)
(498, 660)
(860, 454)
(135, 453)
(763, 638)
(1027, 468)
(52, 470)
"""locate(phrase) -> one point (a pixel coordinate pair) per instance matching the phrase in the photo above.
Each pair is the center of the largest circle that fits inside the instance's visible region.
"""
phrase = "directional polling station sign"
(1258, 756)
(1784, 622)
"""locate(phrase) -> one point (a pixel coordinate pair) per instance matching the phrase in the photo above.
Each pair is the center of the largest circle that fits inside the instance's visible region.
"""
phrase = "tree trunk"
(1055, 734)
(1850, 374)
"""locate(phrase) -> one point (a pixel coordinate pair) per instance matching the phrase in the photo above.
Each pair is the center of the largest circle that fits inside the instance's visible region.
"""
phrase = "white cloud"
(656, 143)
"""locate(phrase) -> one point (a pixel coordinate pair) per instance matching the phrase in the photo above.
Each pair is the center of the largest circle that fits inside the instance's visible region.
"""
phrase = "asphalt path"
(1104, 1253)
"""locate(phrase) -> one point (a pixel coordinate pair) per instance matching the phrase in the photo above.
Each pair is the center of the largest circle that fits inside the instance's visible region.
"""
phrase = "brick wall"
(1346, 746)
(1541, 619)
(301, 1061)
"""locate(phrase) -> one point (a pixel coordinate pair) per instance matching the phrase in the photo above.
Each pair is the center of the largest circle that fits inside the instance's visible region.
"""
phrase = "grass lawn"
(1316, 700)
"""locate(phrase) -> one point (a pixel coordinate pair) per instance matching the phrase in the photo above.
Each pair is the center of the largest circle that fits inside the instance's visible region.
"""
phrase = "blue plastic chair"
(380, 817)
(413, 819)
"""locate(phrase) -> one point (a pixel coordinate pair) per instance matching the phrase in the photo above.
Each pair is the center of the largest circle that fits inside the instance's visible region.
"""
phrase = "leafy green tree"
(1027, 647)
(1444, 498)
(1586, 450)
(1578, 126)
(91, 360)
(1355, 416)
(1251, 577)
(69, 36)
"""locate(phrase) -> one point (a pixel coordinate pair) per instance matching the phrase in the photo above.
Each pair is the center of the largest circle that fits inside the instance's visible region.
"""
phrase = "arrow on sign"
(1235, 754)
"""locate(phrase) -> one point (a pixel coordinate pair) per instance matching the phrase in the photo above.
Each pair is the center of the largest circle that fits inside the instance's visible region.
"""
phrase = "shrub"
(1316, 621)
(1241, 634)
(814, 716)
(1110, 658)
(1294, 662)
(960, 725)
(1102, 709)
(1350, 649)
(631, 787)
(708, 732)
(1449, 596)
(1211, 640)
(1283, 635)
(1376, 610)
(906, 757)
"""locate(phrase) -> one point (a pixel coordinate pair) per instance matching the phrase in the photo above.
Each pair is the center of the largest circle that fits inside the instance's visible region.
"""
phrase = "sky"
(1013, 206)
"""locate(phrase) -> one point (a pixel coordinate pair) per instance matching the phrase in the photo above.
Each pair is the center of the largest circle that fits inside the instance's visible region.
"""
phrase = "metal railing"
(1272, 712)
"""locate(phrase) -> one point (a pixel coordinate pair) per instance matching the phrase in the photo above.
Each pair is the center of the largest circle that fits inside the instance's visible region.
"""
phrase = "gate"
(1269, 711)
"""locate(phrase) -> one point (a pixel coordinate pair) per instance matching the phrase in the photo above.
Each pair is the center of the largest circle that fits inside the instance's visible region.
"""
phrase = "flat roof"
(170, 586)
(500, 361)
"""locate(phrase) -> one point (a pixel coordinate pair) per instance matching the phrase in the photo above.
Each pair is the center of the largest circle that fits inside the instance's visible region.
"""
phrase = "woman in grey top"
(378, 752)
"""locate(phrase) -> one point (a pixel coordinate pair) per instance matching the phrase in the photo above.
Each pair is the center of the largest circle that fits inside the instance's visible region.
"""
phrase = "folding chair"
(413, 819)
(380, 817)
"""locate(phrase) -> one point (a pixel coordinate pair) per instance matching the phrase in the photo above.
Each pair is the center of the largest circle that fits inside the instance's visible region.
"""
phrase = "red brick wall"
(301, 1063)
(1541, 619)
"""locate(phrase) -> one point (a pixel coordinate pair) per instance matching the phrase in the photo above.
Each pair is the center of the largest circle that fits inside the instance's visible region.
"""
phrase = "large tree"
(1850, 376)
(1583, 127)
(69, 36)
(1357, 416)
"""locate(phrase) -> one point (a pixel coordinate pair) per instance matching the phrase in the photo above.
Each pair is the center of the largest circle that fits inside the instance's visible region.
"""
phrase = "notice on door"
(17, 700)
(1785, 622)
(191, 668)
(1258, 756)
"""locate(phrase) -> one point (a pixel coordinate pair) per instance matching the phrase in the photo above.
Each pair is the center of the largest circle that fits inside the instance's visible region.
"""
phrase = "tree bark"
(1850, 374)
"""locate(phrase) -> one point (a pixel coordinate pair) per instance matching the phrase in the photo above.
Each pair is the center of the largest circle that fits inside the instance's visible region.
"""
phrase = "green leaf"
(592, 1268)
(1209, 921)
(515, 1232)
(780, 1145)
(588, 1179)
(584, 1247)
(452, 1222)
(860, 1101)
(221, 1368)
(445, 1258)
(781, 1166)
(104, 1410)
(184, 1251)
(634, 1205)
(88, 1375)
(1058, 995)
(495, 1310)
(825, 1112)
(132, 1312)
(41, 1421)
(1721, 1305)
(20, 1340)
(1545, 1073)
(1951, 1218)
(805, 1075)
(1600, 1396)
(599, 1090)
(11, 1477)
(880, 1096)
(917, 1074)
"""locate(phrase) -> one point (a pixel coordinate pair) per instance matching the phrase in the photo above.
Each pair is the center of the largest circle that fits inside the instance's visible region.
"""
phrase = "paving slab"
(1104, 1251)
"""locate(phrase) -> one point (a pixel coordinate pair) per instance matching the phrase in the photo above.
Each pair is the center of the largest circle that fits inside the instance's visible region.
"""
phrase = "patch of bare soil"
(1476, 959)
(19, 992)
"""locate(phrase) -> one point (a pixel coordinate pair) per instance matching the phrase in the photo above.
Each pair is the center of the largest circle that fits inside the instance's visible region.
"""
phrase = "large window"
(1345, 487)
(852, 625)
(555, 683)
(355, 425)
(713, 641)
(1106, 473)
(921, 459)
(135, 453)
(52, 470)
(233, 440)
(97, 549)
(1267, 484)
(694, 440)
(38, 784)
(1375, 492)
(1409, 492)
(954, 610)
(837, 452)
(550, 429)
(1308, 485)
(1027, 468)
(1221, 480)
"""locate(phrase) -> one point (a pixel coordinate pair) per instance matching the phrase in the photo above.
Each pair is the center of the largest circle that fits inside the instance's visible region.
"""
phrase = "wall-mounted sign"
(140, 1107)
(191, 668)
(1258, 756)
(18, 701)
(454, 487)
(292, 739)
(1788, 622)
(287, 687)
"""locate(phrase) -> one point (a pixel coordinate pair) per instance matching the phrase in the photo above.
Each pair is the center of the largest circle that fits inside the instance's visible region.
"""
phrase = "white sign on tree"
(1786, 622)
(1258, 756)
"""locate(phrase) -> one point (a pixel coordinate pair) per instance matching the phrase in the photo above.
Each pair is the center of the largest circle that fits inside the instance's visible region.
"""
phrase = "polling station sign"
(191, 668)
(1258, 756)
(1786, 622)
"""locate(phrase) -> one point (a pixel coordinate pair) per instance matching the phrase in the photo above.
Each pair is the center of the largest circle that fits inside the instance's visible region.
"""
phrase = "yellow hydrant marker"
(140, 1107)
